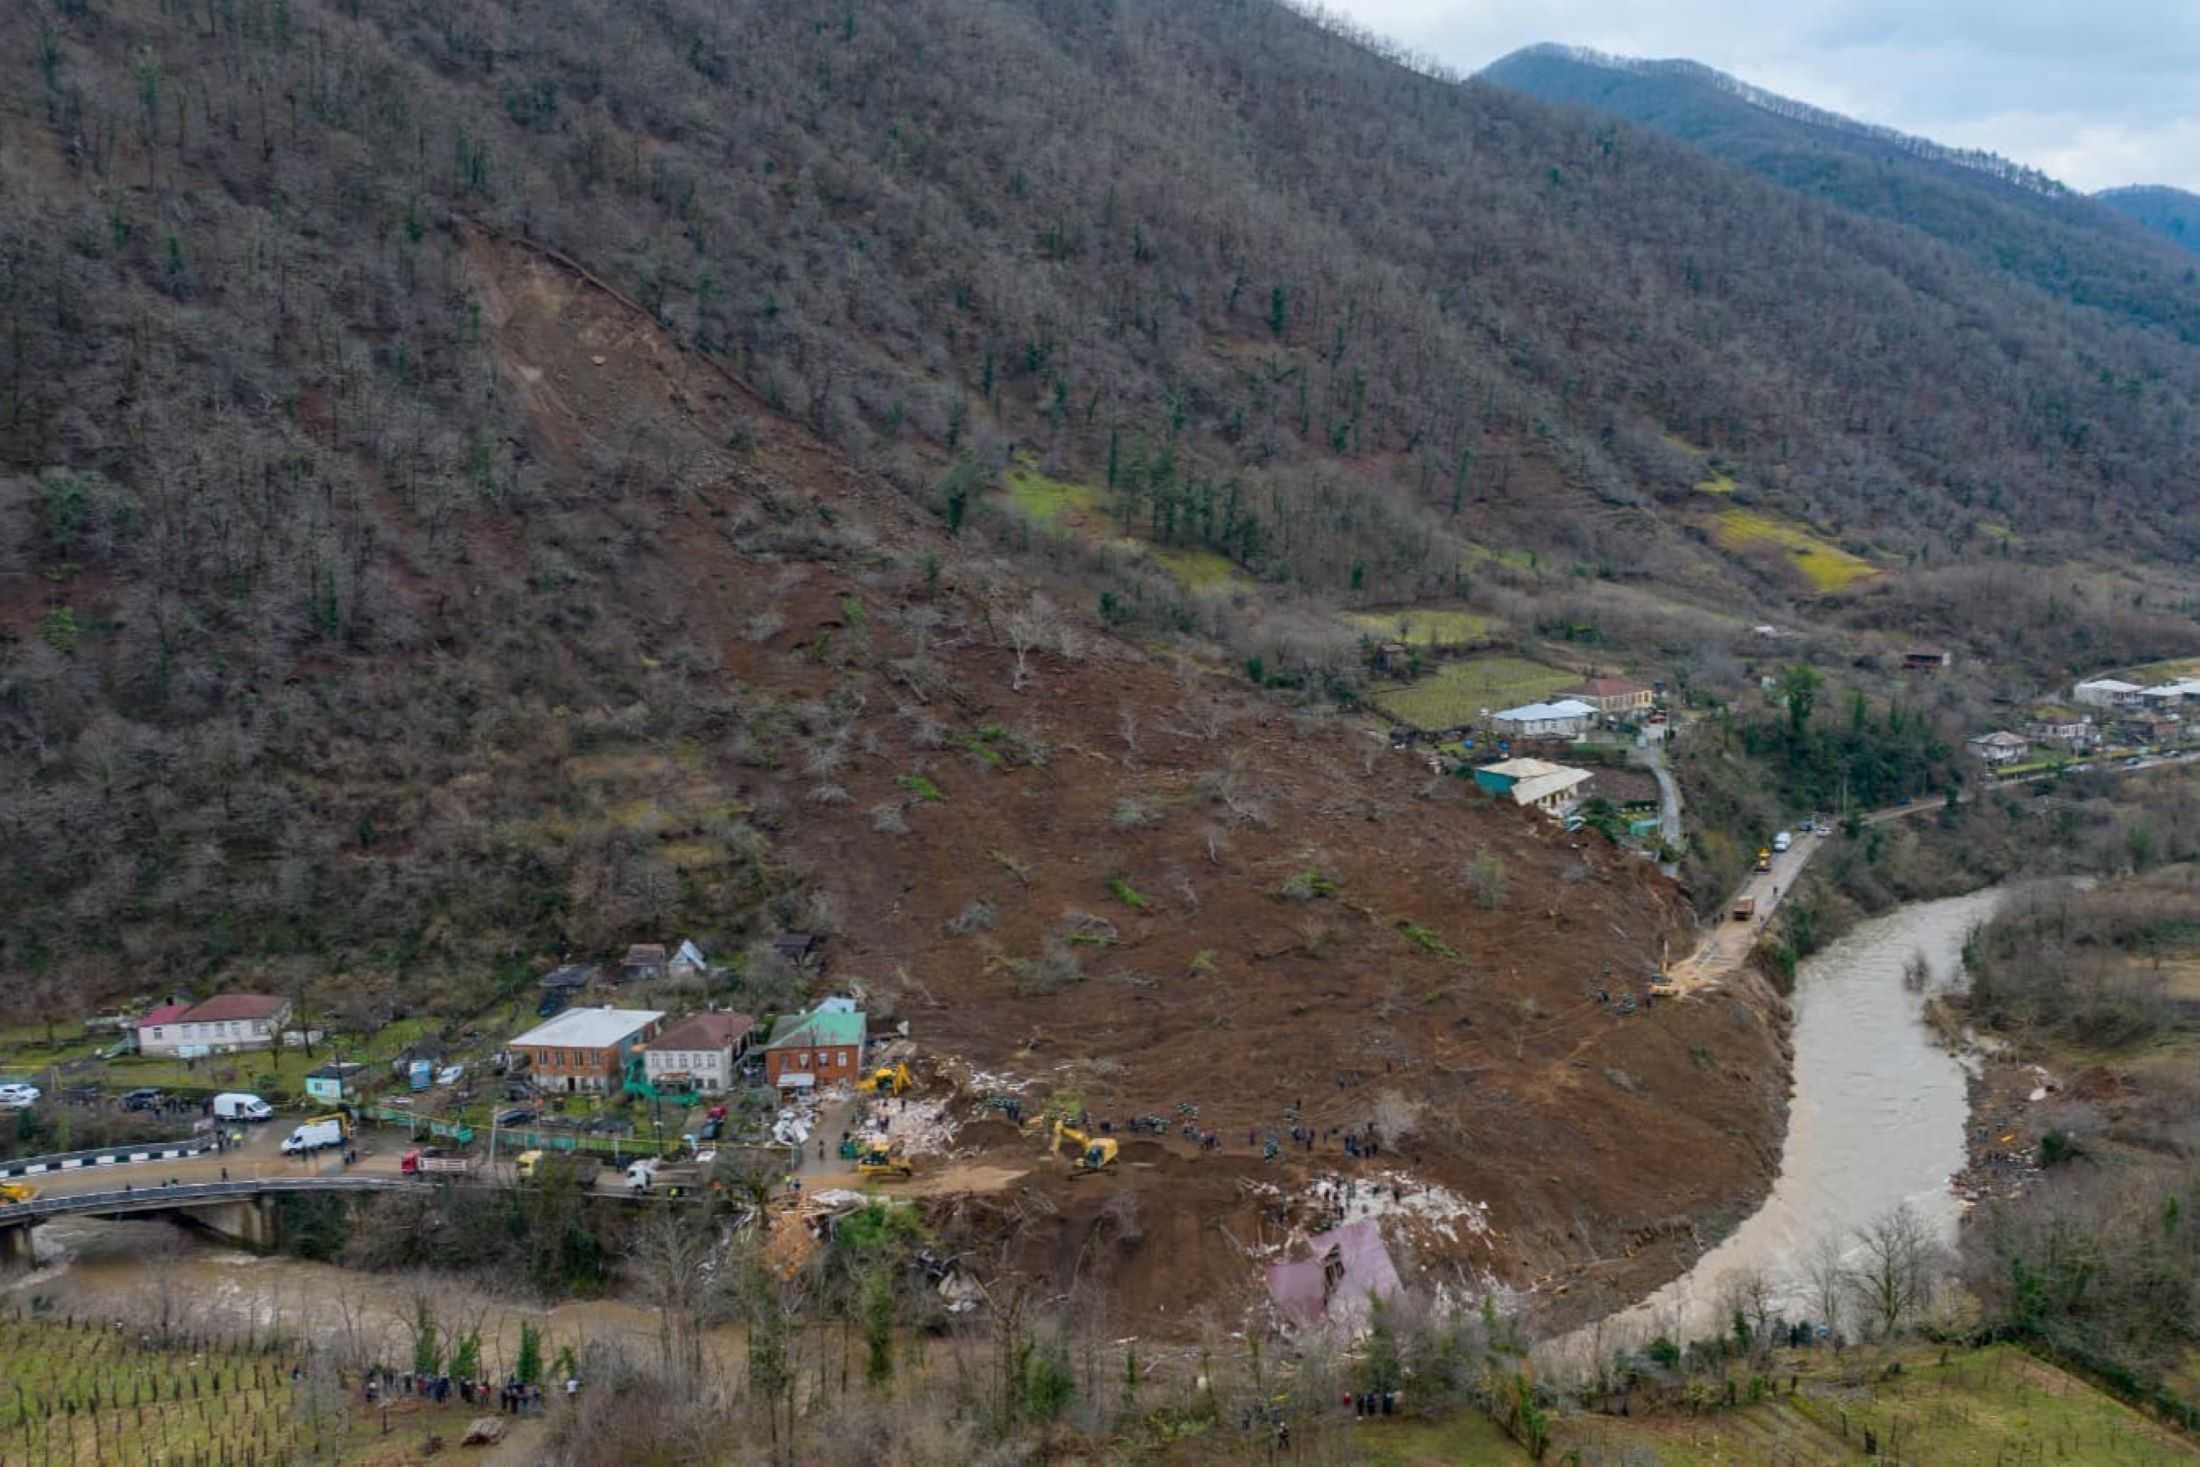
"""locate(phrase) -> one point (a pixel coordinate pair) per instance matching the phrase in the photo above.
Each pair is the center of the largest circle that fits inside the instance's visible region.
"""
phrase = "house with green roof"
(821, 1047)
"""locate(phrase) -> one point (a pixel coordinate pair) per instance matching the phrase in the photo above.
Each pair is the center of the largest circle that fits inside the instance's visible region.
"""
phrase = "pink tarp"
(1349, 1266)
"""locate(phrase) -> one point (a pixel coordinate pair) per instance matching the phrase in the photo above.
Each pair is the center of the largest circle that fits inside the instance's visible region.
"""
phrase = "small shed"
(798, 948)
(688, 960)
(644, 962)
(570, 978)
(332, 1083)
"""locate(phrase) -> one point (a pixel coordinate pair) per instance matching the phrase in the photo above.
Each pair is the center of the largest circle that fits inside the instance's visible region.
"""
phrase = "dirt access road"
(1725, 947)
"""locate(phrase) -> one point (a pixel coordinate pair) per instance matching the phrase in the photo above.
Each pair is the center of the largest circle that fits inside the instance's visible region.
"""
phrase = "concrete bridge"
(240, 1212)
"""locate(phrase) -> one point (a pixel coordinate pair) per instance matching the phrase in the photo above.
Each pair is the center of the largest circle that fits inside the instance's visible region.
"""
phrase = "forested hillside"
(322, 589)
(2003, 216)
(2167, 211)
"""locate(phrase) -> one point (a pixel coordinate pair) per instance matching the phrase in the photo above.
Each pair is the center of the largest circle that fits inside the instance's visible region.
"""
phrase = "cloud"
(2096, 95)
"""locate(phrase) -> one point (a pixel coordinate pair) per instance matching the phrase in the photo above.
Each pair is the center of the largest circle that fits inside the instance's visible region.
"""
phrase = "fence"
(124, 1155)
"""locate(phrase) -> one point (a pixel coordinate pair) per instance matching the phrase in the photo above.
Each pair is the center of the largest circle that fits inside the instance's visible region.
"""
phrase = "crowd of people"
(513, 1398)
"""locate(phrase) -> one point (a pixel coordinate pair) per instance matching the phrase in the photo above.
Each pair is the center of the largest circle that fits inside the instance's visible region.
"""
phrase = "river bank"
(1877, 1119)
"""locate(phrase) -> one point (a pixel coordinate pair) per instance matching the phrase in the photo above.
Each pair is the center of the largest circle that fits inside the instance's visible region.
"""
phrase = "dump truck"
(1744, 908)
(887, 1080)
(666, 1178)
(433, 1161)
(318, 1134)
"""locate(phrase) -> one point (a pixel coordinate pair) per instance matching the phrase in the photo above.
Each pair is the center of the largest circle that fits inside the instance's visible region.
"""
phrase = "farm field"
(1457, 692)
(1425, 626)
(1981, 1409)
(1828, 566)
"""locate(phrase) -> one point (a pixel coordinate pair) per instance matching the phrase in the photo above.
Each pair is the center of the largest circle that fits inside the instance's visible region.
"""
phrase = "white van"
(235, 1106)
(1782, 841)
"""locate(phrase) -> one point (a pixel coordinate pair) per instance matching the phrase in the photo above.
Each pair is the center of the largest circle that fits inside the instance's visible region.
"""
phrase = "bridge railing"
(98, 1156)
(188, 1192)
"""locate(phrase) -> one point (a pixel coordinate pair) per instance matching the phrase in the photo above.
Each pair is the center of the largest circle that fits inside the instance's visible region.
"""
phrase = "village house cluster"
(2102, 712)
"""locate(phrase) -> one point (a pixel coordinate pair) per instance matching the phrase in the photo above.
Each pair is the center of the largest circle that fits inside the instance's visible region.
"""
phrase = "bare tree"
(1894, 1278)
(1828, 1273)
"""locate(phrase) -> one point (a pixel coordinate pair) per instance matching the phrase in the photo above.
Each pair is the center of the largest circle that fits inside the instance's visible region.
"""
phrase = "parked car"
(518, 1115)
(551, 1003)
(19, 1097)
(1782, 841)
(143, 1098)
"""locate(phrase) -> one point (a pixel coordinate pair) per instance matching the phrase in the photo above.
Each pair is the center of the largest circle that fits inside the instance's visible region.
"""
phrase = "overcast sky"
(2096, 94)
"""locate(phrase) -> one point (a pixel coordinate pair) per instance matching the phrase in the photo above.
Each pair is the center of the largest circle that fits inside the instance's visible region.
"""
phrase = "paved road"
(1669, 788)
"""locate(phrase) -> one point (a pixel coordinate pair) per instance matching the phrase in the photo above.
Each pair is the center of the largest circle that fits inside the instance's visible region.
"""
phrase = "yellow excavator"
(12, 1193)
(887, 1080)
(1094, 1153)
(884, 1159)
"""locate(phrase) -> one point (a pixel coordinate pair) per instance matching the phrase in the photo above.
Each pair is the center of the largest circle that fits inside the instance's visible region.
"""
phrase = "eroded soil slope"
(1119, 873)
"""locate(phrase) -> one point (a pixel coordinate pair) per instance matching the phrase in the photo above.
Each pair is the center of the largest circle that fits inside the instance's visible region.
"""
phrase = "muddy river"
(1877, 1120)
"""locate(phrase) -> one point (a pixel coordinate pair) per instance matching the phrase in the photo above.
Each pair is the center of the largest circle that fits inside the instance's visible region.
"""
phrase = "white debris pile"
(981, 1082)
(1397, 1197)
(921, 1126)
(792, 1126)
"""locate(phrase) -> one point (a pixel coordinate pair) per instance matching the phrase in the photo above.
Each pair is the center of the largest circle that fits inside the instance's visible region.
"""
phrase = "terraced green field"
(1457, 692)
(1425, 626)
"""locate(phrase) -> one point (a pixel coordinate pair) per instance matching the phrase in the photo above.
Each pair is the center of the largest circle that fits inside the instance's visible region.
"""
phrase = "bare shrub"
(888, 817)
(1485, 877)
(976, 916)
(828, 794)
(1057, 967)
(1135, 812)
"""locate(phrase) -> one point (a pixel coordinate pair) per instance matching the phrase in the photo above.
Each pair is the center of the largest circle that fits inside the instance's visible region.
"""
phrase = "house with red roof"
(157, 1032)
(223, 1024)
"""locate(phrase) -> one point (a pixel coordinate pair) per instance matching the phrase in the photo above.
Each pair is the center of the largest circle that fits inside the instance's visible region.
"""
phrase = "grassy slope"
(1974, 1411)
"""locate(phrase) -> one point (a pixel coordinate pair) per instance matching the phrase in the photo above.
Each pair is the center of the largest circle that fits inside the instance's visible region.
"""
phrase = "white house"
(2062, 726)
(224, 1024)
(688, 961)
(2000, 747)
(1569, 718)
(158, 1032)
(2169, 695)
(701, 1051)
(1553, 793)
(2106, 692)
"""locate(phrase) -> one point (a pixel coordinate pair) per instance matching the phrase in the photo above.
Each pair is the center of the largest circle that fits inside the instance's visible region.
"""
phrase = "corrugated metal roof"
(1543, 786)
(590, 1028)
(1523, 768)
(705, 1031)
(1539, 712)
(821, 1026)
(224, 1006)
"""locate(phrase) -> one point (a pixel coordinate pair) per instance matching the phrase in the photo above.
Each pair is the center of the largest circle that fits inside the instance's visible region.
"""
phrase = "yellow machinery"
(887, 1080)
(884, 1160)
(14, 1192)
(1764, 859)
(1094, 1153)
